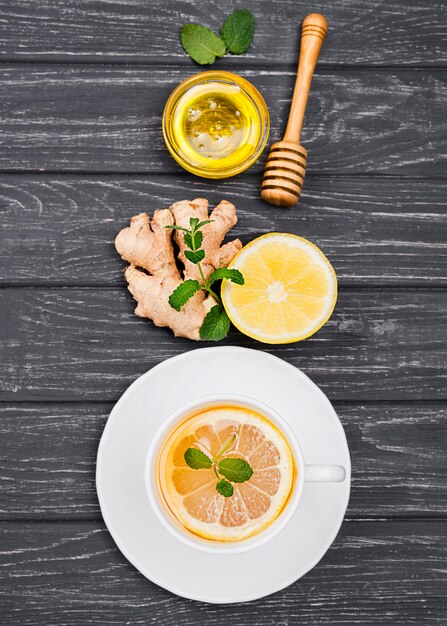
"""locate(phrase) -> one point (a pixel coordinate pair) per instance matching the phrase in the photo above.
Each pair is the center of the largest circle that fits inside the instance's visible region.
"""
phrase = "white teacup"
(305, 473)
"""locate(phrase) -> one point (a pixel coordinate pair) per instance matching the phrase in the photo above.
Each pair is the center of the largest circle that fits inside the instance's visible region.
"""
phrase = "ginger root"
(153, 274)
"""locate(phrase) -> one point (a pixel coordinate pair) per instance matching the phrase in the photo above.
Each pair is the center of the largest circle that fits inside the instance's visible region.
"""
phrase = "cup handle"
(324, 473)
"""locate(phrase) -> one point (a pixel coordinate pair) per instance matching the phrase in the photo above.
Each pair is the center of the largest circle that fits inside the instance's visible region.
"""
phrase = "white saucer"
(121, 487)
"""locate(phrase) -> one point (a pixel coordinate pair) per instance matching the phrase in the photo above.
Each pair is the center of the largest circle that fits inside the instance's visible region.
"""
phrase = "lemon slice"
(289, 293)
(191, 494)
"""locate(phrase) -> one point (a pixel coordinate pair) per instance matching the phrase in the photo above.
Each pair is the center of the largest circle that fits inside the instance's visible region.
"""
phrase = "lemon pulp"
(289, 292)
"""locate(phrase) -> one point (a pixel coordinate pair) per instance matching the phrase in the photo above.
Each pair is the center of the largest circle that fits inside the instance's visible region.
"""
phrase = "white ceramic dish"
(136, 525)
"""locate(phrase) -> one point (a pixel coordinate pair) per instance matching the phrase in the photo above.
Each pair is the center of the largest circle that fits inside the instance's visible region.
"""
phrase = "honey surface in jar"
(216, 126)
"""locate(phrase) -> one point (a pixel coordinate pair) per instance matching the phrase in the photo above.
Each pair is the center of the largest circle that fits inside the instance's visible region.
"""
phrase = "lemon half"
(289, 293)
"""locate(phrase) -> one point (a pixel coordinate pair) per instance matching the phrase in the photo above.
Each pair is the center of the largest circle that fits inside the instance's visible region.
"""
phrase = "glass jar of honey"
(215, 124)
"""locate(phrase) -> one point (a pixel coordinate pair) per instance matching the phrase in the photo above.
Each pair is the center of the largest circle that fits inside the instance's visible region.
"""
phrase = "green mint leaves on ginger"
(216, 324)
(183, 293)
(227, 469)
(203, 46)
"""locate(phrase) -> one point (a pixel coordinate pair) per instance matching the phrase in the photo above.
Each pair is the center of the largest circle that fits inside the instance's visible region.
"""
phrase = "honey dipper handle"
(312, 36)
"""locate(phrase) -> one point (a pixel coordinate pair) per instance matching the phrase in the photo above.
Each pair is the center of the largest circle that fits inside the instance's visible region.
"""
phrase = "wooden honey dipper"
(286, 165)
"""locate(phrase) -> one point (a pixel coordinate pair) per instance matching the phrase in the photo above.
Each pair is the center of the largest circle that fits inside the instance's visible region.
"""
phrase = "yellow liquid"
(215, 128)
(190, 494)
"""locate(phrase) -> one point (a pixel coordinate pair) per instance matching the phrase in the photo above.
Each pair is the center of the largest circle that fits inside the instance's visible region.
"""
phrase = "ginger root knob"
(153, 273)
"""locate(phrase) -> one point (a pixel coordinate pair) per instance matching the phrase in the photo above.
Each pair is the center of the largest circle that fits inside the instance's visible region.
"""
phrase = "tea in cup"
(227, 473)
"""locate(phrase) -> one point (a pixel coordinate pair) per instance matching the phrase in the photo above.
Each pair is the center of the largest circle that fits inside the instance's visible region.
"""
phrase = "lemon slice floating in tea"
(191, 494)
(290, 289)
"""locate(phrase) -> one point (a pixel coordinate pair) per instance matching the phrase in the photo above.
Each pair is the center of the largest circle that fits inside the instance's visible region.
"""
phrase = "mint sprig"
(203, 46)
(216, 324)
(227, 469)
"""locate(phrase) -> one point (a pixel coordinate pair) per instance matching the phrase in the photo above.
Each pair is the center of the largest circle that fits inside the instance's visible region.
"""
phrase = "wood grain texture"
(83, 87)
(90, 118)
(375, 573)
(360, 32)
(47, 463)
(86, 344)
(375, 231)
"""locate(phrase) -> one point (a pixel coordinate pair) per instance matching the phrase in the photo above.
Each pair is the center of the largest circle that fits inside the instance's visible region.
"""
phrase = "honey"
(215, 124)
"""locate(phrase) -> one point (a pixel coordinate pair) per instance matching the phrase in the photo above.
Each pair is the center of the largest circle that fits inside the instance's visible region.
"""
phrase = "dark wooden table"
(84, 84)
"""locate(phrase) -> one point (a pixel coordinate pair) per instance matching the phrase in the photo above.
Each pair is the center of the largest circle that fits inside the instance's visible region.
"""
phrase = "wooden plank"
(49, 453)
(58, 230)
(86, 344)
(81, 118)
(398, 32)
(375, 573)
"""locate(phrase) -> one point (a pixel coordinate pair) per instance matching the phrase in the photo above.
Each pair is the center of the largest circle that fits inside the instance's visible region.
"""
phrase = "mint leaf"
(198, 239)
(195, 257)
(225, 488)
(200, 224)
(193, 221)
(237, 31)
(223, 272)
(216, 324)
(201, 44)
(236, 470)
(183, 293)
(196, 459)
(178, 228)
(193, 240)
